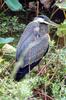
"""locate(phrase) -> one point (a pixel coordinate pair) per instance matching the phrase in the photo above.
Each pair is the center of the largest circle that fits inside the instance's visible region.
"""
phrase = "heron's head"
(42, 19)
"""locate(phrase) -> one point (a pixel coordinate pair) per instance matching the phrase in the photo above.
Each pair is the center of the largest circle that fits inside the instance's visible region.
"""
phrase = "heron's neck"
(43, 29)
(36, 21)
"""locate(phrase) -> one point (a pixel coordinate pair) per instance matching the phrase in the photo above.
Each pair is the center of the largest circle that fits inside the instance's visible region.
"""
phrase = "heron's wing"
(32, 45)
(26, 38)
(37, 51)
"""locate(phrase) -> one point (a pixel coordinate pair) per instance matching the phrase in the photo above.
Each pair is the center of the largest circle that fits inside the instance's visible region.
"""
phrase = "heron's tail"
(22, 71)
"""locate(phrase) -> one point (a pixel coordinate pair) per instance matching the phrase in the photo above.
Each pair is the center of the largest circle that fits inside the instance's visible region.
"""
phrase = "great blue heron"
(33, 45)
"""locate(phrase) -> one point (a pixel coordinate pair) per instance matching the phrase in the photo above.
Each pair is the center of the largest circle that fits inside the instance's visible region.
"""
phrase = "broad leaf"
(61, 5)
(5, 40)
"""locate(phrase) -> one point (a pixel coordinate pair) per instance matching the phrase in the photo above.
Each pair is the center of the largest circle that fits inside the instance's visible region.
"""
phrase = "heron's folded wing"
(26, 38)
(37, 51)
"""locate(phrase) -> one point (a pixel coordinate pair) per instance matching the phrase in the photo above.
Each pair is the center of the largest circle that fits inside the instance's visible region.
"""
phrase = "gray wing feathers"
(26, 38)
(37, 51)
(38, 44)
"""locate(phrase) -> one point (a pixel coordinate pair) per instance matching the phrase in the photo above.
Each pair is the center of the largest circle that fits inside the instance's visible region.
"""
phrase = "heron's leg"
(29, 70)
(39, 67)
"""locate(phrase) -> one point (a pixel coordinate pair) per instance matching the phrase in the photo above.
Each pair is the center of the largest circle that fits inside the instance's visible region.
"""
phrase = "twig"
(2, 5)
(54, 13)
(1, 2)
(38, 91)
(64, 13)
(37, 11)
(54, 74)
(43, 68)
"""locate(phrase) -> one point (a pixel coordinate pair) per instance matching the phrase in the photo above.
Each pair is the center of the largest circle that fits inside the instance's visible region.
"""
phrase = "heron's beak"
(53, 23)
(49, 22)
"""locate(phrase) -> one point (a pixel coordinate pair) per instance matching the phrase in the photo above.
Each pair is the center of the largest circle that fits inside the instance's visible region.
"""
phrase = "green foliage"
(24, 89)
(63, 92)
(17, 91)
(61, 31)
(56, 89)
(62, 56)
(61, 5)
(10, 24)
(56, 59)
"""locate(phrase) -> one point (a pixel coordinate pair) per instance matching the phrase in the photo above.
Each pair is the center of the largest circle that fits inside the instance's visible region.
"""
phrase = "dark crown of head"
(43, 17)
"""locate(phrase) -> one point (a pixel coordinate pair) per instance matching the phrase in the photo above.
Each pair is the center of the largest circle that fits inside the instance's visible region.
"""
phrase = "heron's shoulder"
(33, 23)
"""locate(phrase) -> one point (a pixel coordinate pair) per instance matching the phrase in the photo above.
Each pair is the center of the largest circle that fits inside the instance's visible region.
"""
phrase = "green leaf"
(62, 57)
(61, 5)
(62, 29)
(6, 40)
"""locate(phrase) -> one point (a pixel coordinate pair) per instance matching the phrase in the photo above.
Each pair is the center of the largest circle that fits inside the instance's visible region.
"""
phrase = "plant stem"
(65, 40)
